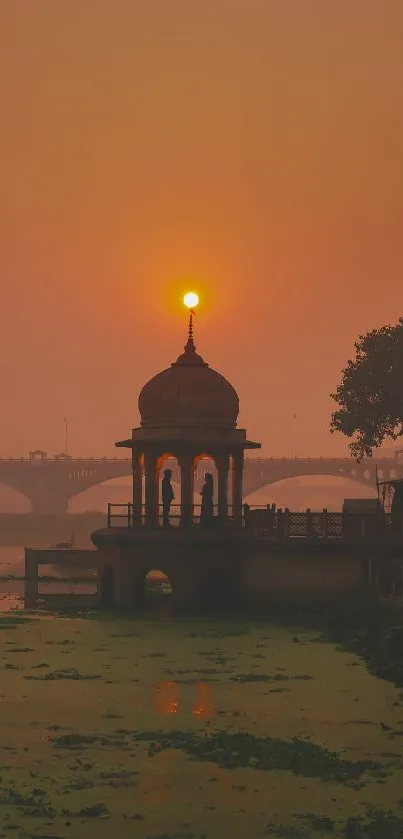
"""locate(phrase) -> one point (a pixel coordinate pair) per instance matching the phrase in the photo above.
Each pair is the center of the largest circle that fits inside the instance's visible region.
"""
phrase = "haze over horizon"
(248, 151)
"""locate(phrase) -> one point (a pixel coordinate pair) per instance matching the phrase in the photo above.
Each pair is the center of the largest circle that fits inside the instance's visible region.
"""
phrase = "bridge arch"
(13, 500)
(116, 490)
(313, 491)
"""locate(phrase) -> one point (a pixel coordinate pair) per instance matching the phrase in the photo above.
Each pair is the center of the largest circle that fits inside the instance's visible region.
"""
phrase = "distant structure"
(51, 482)
(188, 411)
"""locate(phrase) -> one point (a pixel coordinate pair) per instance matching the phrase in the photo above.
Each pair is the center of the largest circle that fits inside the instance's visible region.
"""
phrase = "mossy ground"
(149, 727)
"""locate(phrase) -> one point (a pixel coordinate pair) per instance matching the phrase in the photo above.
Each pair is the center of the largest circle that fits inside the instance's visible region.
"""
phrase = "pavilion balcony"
(125, 515)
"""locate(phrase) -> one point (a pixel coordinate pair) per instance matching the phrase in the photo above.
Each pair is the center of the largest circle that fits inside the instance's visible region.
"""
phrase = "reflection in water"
(203, 709)
(10, 602)
(166, 698)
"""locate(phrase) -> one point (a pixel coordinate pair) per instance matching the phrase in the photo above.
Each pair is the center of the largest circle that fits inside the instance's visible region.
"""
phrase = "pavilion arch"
(169, 460)
(163, 458)
(214, 468)
(202, 463)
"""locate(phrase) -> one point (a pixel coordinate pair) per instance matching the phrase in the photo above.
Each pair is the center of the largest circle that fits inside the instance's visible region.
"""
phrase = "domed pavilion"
(188, 412)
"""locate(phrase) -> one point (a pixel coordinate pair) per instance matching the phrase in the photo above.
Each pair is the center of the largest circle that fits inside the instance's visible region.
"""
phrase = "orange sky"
(253, 147)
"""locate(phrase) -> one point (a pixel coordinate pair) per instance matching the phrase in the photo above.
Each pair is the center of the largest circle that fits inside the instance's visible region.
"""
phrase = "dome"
(188, 394)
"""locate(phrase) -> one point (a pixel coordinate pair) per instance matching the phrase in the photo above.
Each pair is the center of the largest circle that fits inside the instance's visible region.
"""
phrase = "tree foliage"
(370, 395)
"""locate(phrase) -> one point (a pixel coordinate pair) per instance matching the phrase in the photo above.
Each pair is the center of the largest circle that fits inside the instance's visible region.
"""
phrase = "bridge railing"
(58, 459)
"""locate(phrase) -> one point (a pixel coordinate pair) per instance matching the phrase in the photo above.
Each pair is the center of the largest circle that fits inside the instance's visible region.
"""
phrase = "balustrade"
(265, 522)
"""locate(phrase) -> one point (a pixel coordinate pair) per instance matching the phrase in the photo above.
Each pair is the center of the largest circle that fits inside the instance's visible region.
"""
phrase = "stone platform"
(230, 568)
(203, 567)
(223, 569)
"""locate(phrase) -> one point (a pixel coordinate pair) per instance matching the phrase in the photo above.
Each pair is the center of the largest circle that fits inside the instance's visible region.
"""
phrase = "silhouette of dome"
(188, 394)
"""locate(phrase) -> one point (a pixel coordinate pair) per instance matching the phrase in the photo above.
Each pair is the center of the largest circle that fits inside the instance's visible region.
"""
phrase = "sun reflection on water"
(167, 700)
(203, 709)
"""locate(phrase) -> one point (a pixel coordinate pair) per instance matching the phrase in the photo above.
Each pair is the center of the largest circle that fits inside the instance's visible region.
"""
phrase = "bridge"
(50, 482)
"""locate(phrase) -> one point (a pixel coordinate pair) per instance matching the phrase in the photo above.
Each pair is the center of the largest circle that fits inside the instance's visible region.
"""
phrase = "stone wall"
(284, 578)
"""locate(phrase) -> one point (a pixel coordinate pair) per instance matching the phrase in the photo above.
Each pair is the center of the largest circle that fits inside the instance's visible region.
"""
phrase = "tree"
(370, 395)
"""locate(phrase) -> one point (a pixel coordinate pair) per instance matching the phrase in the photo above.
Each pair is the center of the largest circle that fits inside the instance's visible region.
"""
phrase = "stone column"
(151, 489)
(125, 583)
(237, 475)
(187, 482)
(222, 463)
(137, 486)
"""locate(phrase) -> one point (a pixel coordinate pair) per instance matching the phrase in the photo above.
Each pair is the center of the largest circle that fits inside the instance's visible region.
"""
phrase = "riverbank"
(363, 624)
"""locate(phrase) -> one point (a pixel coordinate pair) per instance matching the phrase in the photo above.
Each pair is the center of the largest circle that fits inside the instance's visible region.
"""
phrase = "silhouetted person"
(207, 506)
(168, 496)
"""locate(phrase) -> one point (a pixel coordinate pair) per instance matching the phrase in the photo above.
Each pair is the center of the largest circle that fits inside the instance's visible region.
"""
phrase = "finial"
(190, 300)
(190, 342)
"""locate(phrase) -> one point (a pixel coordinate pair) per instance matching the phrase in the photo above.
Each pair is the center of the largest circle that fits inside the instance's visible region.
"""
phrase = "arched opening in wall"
(153, 589)
(316, 492)
(204, 464)
(107, 588)
(13, 501)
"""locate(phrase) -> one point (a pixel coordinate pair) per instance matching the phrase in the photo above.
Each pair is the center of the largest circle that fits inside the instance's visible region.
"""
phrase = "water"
(120, 715)
(12, 591)
(152, 688)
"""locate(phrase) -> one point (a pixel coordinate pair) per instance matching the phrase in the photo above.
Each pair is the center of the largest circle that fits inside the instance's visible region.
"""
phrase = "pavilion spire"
(190, 346)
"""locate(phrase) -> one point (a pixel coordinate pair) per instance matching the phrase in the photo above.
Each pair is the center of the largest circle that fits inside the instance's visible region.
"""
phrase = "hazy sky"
(250, 149)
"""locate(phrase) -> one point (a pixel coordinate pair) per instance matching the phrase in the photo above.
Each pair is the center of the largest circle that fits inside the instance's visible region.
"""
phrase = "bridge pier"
(51, 503)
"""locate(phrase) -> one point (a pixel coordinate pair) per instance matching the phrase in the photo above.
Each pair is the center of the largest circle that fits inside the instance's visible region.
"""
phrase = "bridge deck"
(50, 483)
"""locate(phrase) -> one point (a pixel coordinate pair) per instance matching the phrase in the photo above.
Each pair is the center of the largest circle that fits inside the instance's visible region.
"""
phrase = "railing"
(121, 515)
(264, 522)
(284, 524)
(57, 459)
(125, 515)
(252, 460)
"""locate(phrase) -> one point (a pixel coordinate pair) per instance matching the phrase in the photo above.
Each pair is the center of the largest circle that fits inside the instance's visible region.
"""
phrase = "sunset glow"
(135, 171)
(191, 300)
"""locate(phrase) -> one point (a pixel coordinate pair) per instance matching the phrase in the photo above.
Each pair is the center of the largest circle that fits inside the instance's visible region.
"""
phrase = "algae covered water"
(151, 727)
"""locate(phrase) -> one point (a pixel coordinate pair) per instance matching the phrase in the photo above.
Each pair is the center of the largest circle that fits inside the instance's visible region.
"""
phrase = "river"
(155, 727)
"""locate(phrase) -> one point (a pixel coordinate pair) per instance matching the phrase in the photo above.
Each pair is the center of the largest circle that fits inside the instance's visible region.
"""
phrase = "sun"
(191, 300)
